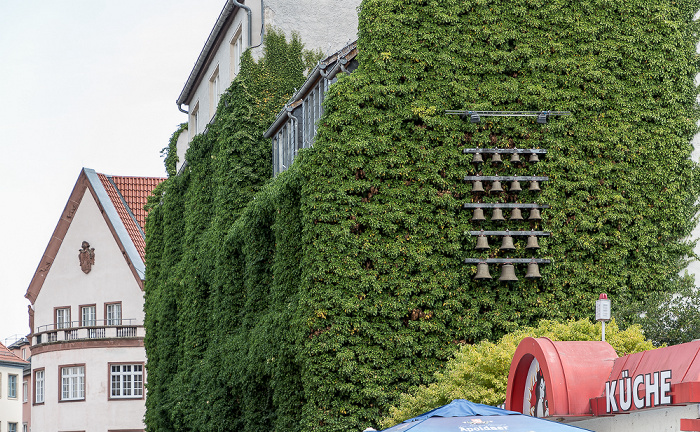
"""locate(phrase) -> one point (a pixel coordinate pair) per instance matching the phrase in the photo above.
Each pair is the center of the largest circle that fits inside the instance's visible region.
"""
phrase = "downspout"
(182, 110)
(250, 21)
(296, 132)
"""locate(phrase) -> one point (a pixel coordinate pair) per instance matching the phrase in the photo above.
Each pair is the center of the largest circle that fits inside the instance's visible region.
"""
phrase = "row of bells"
(497, 216)
(482, 243)
(507, 272)
(496, 158)
(478, 186)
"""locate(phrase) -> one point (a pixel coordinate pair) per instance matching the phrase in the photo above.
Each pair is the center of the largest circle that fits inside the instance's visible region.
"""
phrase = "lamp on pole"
(602, 311)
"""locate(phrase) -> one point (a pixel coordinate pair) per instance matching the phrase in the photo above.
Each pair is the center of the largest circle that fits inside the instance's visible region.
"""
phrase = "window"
(12, 386)
(25, 391)
(11, 427)
(24, 353)
(72, 383)
(126, 380)
(214, 91)
(39, 386)
(236, 53)
(88, 316)
(24, 427)
(113, 313)
(62, 317)
(194, 121)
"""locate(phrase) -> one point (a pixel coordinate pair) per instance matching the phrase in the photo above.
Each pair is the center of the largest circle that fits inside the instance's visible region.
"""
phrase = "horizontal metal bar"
(506, 178)
(503, 150)
(506, 260)
(506, 205)
(506, 113)
(511, 233)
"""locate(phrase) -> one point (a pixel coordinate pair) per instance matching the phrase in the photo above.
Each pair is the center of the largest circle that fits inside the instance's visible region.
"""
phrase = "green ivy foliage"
(386, 292)
(479, 372)
(313, 301)
(212, 319)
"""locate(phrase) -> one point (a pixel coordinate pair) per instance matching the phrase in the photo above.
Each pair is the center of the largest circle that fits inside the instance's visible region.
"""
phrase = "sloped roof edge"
(209, 46)
(116, 222)
(87, 180)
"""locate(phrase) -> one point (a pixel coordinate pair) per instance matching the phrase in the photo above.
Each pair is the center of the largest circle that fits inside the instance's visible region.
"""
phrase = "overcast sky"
(83, 83)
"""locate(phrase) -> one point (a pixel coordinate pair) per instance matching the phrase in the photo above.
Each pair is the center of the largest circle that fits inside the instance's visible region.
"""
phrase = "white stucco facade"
(10, 407)
(88, 359)
(67, 285)
(652, 420)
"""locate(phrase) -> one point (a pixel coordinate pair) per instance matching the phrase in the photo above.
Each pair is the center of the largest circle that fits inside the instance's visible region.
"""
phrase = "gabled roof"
(6, 356)
(121, 200)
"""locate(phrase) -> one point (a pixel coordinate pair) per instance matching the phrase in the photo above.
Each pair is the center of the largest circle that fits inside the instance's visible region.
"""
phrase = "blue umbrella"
(463, 416)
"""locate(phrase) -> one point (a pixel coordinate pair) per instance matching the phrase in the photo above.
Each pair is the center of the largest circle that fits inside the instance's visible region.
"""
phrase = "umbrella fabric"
(464, 416)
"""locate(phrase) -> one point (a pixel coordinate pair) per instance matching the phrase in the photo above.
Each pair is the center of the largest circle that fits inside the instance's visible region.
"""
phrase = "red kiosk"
(588, 385)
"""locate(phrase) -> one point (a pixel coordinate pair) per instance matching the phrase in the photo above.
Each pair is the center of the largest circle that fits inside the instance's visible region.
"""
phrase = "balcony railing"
(101, 329)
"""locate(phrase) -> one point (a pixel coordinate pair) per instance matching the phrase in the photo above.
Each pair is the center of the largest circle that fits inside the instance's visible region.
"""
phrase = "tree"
(479, 372)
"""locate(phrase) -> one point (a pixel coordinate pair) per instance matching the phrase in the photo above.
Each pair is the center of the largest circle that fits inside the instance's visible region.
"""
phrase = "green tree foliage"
(668, 318)
(479, 372)
(313, 301)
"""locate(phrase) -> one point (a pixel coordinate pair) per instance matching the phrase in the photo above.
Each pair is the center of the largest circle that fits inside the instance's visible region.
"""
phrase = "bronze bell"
(507, 243)
(533, 158)
(478, 214)
(534, 186)
(532, 242)
(482, 271)
(508, 273)
(478, 186)
(535, 214)
(516, 214)
(515, 158)
(533, 271)
(477, 158)
(496, 158)
(515, 186)
(496, 186)
(497, 215)
(482, 243)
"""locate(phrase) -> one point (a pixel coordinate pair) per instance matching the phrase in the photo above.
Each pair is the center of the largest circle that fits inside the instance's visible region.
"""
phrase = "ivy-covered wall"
(312, 301)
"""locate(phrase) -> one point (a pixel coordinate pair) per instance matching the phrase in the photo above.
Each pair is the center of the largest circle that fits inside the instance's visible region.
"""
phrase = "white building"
(86, 318)
(11, 396)
(327, 25)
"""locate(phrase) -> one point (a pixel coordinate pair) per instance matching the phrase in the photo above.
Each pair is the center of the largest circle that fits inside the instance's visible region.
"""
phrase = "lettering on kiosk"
(622, 394)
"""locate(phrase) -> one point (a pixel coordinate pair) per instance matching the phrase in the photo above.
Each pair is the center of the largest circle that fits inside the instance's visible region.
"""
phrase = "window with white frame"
(72, 383)
(126, 380)
(193, 126)
(113, 313)
(11, 427)
(62, 318)
(214, 91)
(88, 316)
(12, 386)
(24, 427)
(25, 391)
(236, 52)
(39, 386)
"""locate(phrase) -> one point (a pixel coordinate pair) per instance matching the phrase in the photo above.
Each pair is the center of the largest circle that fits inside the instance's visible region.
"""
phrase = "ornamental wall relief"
(86, 255)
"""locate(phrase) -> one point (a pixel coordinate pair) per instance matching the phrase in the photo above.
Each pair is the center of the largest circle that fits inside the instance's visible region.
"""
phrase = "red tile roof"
(7, 356)
(129, 195)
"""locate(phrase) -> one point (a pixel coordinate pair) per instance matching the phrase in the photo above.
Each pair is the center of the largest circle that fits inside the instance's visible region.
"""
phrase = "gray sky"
(83, 83)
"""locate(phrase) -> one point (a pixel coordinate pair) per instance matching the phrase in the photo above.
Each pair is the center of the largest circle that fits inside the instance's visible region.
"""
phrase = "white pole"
(603, 331)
